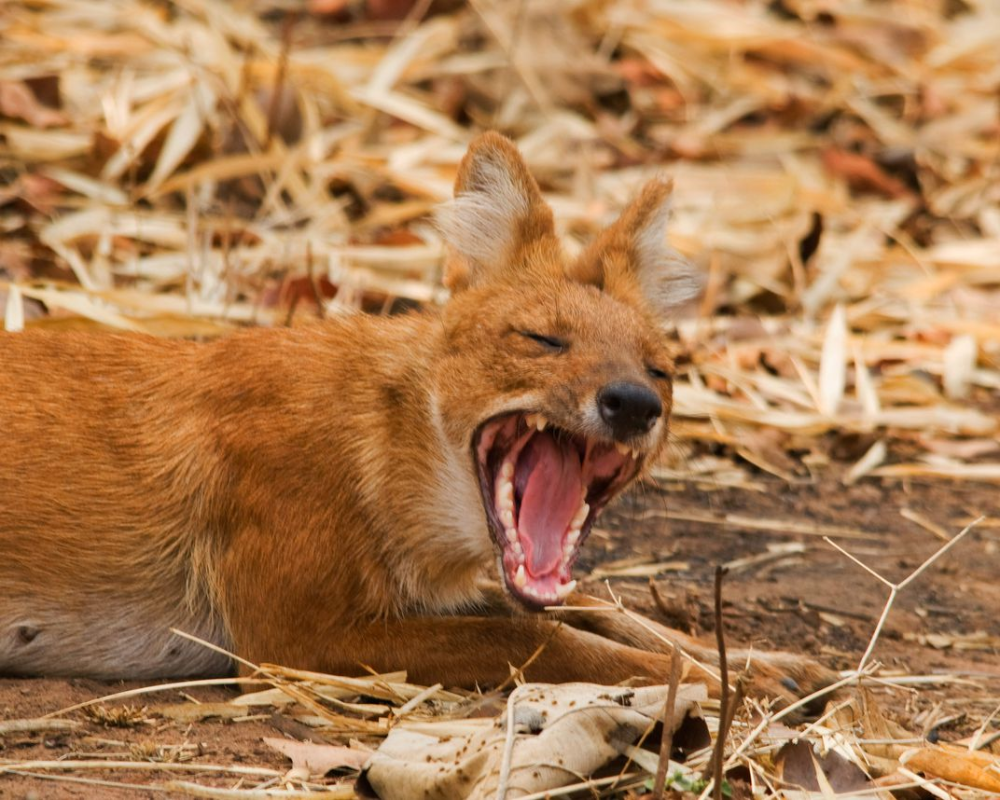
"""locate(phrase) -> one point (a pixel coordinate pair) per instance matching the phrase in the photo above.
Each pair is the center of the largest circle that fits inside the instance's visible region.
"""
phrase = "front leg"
(785, 676)
(477, 651)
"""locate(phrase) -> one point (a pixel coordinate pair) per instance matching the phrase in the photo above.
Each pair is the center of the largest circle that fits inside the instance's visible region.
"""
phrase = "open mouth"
(542, 489)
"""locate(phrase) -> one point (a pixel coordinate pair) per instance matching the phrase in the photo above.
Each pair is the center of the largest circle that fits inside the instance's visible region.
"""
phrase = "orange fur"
(309, 496)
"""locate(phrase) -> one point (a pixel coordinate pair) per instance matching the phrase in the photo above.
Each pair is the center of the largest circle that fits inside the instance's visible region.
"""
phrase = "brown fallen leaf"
(310, 760)
(19, 102)
(861, 173)
(831, 774)
(968, 768)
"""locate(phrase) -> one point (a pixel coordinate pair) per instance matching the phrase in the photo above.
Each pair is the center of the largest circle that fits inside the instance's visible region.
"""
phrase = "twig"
(977, 740)
(275, 680)
(642, 622)
(793, 707)
(667, 739)
(682, 617)
(342, 792)
(508, 745)
(41, 776)
(162, 687)
(595, 783)
(143, 766)
(714, 768)
(531, 660)
(274, 107)
(313, 283)
(36, 725)
(896, 588)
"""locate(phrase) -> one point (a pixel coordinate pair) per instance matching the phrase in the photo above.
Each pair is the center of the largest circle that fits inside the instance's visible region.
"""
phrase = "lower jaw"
(537, 592)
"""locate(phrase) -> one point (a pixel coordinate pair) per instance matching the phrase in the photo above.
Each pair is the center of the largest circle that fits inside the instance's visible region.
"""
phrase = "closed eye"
(548, 342)
(657, 374)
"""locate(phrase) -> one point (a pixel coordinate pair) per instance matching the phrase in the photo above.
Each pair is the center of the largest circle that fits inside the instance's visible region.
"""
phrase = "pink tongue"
(549, 501)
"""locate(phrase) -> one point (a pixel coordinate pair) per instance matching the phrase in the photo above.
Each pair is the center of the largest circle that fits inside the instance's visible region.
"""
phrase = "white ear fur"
(667, 279)
(480, 223)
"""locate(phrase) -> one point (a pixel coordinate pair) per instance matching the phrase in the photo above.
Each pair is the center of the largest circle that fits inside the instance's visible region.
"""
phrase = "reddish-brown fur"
(307, 496)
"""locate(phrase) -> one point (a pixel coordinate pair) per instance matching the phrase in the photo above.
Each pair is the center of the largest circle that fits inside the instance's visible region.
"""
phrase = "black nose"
(630, 409)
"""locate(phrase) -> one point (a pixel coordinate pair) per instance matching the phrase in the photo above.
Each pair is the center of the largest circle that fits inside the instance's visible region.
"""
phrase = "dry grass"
(183, 168)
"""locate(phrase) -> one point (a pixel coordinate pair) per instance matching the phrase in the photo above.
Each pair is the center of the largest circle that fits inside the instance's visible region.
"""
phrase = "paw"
(784, 679)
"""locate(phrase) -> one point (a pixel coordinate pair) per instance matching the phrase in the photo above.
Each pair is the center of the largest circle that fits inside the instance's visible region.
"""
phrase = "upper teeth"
(537, 421)
(628, 452)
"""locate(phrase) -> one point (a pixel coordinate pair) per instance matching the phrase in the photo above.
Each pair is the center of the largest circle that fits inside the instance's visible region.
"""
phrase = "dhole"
(334, 496)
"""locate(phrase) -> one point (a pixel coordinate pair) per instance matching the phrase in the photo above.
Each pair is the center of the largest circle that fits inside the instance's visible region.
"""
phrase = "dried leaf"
(311, 760)
(974, 770)
(184, 133)
(833, 363)
(18, 101)
(562, 732)
(828, 775)
(13, 318)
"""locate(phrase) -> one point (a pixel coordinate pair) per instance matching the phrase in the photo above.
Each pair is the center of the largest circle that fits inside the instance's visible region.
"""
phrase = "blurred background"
(183, 168)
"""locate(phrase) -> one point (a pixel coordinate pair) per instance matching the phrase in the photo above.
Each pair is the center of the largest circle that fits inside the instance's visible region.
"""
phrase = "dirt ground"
(788, 589)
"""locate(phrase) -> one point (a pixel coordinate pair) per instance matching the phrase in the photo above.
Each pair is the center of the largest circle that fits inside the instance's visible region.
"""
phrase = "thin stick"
(417, 699)
(508, 745)
(714, 768)
(313, 283)
(667, 739)
(617, 606)
(576, 787)
(860, 563)
(977, 739)
(274, 107)
(144, 766)
(341, 792)
(531, 659)
(216, 649)
(274, 680)
(791, 708)
(896, 588)
(162, 687)
(40, 776)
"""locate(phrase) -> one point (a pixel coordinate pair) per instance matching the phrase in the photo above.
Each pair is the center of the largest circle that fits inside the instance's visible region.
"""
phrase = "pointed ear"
(497, 210)
(632, 259)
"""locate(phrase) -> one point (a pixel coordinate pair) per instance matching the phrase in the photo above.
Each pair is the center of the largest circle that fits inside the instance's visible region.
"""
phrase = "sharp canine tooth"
(635, 453)
(622, 449)
(520, 578)
(565, 589)
(536, 421)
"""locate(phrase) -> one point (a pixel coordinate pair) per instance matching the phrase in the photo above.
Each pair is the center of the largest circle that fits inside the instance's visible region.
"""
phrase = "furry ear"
(497, 210)
(632, 258)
